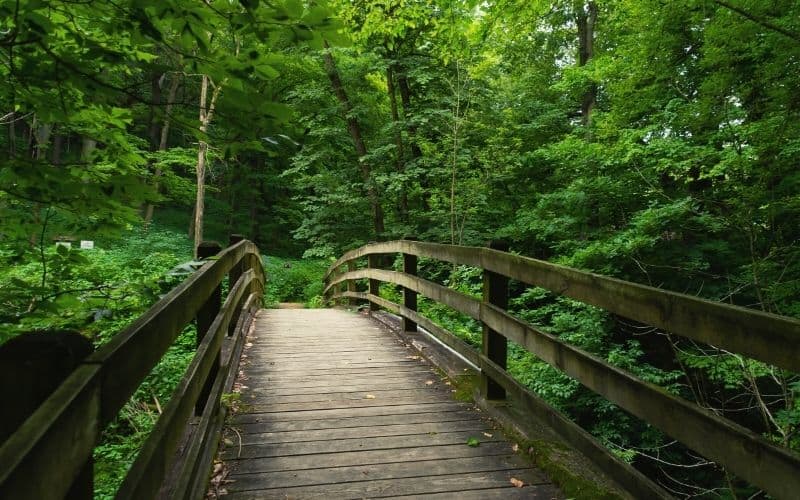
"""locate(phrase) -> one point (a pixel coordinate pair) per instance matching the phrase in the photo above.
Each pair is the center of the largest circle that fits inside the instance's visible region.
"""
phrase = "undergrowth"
(98, 293)
(294, 280)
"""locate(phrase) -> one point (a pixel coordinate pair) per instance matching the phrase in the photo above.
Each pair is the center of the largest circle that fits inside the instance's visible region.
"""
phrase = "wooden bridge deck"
(337, 407)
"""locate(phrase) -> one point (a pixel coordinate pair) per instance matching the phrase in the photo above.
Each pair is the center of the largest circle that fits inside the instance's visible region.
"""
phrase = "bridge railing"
(50, 454)
(762, 336)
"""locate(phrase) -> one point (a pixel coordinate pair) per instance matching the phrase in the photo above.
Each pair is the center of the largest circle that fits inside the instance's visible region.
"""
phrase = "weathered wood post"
(233, 276)
(205, 317)
(495, 345)
(409, 296)
(32, 366)
(374, 262)
(351, 285)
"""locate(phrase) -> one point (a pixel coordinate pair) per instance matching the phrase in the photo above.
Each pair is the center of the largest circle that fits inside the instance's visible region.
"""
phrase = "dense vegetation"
(652, 141)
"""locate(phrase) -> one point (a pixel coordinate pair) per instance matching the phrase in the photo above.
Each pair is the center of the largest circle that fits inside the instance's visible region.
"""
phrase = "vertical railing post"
(351, 285)
(409, 296)
(373, 262)
(495, 345)
(205, 317)
(32, 366)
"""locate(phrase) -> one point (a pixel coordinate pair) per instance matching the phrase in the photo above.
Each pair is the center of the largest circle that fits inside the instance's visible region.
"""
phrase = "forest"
(653, 141)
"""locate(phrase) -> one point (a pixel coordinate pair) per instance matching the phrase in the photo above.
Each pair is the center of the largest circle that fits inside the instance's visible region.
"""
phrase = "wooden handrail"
(58, 438)
(770, 338)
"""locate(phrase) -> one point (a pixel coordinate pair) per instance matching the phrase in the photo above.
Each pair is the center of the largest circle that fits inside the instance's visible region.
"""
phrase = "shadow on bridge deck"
(334, 406)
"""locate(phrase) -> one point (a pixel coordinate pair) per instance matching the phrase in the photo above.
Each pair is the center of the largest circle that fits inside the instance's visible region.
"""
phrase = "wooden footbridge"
(336, 405)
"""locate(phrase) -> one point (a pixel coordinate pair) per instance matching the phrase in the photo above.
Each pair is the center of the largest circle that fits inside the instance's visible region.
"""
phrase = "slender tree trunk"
(162, 143)
(206, 114)
(354, 128)
(87, 147)
(155, 92)
(58, 145)
(12, 135)
(586, 19)
(405, 97)
(41, 136)
(398, 141)
(416, 152)
(200, 170)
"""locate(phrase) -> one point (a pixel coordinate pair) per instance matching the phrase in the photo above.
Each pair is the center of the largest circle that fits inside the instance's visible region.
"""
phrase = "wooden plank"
(349, 412)
(245, 482)
(355, 422)
(335, 398)
(307, 462)
(358, 444)
(326, 387)
(399, 368)
(536, 492)
(317, 384)
(420, 485)
(344, 407)
(470, 424)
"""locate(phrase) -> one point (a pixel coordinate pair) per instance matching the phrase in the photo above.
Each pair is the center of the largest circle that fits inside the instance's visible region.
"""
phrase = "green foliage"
(99, 292)
(124, 436)
(681, 175)
(294, 280)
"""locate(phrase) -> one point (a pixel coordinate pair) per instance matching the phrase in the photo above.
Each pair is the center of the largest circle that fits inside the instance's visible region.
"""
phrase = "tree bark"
(354, 128)
(155, 91)
(416, 152)
(200, 170)
(206, 114)
(398, 141)
(58, 145)
(405, 97)
(162, 143)
(586, 19)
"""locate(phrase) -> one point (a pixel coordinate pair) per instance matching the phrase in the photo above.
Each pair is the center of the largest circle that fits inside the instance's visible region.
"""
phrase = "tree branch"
(759, 20)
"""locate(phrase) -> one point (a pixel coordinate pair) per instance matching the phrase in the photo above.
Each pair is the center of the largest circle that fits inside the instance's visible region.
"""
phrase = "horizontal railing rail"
(766, 337)
(57, 440)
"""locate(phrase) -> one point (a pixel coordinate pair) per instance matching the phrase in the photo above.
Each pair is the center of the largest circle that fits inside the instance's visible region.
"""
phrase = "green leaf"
(473, 442)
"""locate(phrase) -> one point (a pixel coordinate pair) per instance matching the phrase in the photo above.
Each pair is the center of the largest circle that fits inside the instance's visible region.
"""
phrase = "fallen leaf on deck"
(473, 442)
(517, 483)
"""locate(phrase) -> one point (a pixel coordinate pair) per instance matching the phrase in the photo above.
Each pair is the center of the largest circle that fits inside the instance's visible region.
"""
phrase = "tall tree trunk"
(206, 114)
(162, 143)
(586, 19)
(200, 170)
(155, 93)
(416, 152)
(58, 145)
(354, 128)
(88, 146)
(12, 135)
(398, 141)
